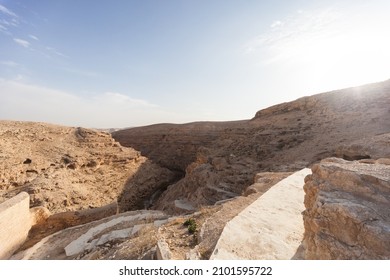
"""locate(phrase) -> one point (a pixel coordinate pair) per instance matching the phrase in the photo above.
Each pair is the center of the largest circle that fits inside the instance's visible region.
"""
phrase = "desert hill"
(126, 195)
(65, 168)
(219, 159)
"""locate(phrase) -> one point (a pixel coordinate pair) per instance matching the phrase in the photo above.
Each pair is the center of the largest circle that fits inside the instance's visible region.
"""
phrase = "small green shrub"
(189, 222)
(192, 228)
(191, 225)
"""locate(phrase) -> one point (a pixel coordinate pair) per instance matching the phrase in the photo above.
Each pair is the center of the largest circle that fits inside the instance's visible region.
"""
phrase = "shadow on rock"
(144, 187)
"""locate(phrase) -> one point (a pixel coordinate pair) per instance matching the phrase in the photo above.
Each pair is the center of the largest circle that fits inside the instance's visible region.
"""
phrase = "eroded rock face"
(97, 238)
(68, 168)
(374, 147)
(220, 158)
(209, 179)
(140, 190)
(347, 212)
(173, 145)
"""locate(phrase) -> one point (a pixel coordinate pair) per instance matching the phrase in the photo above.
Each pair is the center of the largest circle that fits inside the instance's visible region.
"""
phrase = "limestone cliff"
(68, 168)
(373, 147)
(219, 159)
(347, 212)
(202, 170)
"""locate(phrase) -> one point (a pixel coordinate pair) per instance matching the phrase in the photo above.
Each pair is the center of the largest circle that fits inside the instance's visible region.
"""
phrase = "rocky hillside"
(208, 172)
(219, 159)
(67, 169)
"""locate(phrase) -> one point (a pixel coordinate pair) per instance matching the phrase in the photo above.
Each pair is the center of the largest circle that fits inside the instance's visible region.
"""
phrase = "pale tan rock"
(270, 228)
(374, 147)
(66, 168)
(347, 212)
(163, 251)
(207, 165)
(263, 181)
(193, 255)
(139, 189)
(39, 215)
(15, 222)
(92, 238)
(45, 224)
(219, 159)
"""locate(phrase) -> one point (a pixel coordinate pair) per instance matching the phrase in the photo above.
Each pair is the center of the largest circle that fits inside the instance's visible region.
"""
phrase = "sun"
(331, 50)
(356, 58)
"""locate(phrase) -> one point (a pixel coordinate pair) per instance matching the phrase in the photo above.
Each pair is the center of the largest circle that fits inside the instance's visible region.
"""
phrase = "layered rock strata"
(219, 159)
(71, 169)
(347, 212)
(265, 229)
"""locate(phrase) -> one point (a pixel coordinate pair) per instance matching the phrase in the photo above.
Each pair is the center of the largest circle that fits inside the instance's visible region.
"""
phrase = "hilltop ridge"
(126, 194)
(220, 158)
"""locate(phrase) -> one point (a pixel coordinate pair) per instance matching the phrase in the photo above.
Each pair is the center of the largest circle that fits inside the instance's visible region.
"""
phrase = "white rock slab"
(270, 228)
(87, 241)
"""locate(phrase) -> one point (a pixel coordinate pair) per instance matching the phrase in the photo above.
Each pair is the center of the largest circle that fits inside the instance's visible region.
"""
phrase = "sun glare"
(356, 56)
(348, 59)
(329, 50)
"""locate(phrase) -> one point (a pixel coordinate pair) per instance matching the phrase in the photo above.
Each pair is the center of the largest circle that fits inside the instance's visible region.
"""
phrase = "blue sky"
(129, 63)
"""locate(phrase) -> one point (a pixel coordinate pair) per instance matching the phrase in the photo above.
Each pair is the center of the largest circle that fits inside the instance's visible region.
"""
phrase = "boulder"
(347, 212)
(163, 251)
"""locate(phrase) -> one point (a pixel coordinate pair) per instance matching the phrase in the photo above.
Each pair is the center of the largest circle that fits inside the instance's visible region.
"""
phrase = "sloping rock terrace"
(219, 159)
(347, 212)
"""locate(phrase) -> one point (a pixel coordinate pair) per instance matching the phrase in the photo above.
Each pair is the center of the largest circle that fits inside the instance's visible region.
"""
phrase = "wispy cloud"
(21, 42)
(9, 63)
(12, 24)
(110, 109)
(33, 37)
(336, 46)
(292, 37)
(123, 100)
(7, 11)
(314, 35)
(5, 22)
(56, 52)
(8, 20)
(276, 24)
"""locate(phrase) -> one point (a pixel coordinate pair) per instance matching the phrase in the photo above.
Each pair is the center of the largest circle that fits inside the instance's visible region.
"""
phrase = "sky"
(124, 63)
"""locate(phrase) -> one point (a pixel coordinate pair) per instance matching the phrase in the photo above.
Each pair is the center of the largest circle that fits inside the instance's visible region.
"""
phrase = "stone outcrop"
(71, 169)
(94, 239)
(219, 159)
(39, 215)
(374, 147)
(163, 252)
(269, 228)
(75, 177)
(15, 222)
(145, 186)
(174, 146)
(45, 224)
(98, 235)
(347, 212)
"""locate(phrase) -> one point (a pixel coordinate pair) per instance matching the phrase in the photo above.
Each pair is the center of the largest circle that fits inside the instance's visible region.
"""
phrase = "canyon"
(126, 194)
